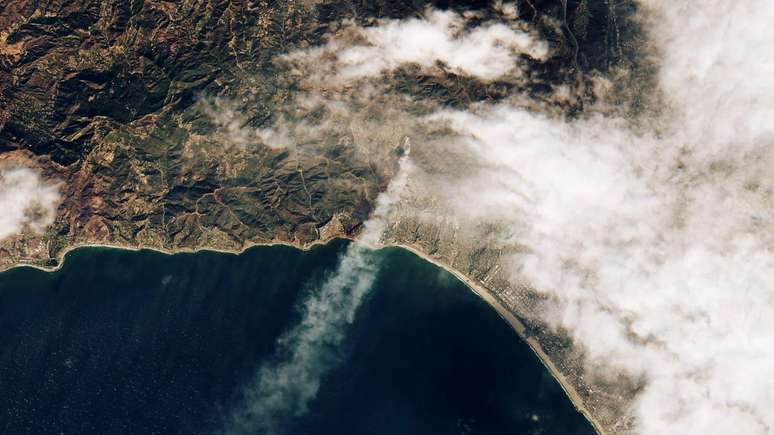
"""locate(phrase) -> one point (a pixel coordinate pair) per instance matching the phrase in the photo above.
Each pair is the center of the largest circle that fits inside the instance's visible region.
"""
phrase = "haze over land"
(648, 233)
(620, 204)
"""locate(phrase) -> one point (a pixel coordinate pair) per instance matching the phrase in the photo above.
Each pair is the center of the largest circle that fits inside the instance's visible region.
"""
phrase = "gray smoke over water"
(283, 388)
(652, 239)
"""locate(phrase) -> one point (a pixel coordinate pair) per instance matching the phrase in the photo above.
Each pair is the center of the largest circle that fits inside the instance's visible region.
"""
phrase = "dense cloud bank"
(651, 237)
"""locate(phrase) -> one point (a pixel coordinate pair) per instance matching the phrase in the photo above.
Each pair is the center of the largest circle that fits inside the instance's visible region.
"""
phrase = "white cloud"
(717, 69)
(26, 201)
(487, 52)
(656, 248)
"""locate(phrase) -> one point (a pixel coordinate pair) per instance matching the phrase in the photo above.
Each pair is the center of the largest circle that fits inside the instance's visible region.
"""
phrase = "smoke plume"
(652, 245)
(283, 388)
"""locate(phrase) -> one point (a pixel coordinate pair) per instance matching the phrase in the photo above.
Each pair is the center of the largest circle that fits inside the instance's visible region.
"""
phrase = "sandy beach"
(516, 324)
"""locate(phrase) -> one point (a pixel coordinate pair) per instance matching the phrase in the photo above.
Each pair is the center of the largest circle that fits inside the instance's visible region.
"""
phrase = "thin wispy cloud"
(232, 127)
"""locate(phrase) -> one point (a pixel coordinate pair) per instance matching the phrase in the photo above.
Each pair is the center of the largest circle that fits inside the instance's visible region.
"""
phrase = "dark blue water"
(124, 342)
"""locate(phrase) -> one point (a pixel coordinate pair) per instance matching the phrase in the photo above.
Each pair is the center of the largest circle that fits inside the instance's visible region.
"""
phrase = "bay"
(123, 342)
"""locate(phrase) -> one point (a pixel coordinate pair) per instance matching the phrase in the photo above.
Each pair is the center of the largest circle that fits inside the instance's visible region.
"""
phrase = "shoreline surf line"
(478, 289)
(60, 258)
(518, 326)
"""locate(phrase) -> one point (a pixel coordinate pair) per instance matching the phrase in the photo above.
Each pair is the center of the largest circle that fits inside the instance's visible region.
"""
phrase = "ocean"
(124, 342)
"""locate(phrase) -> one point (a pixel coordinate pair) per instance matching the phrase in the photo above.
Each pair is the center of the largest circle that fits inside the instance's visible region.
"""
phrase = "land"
(112, 99)
(481, 291)
(508, 315)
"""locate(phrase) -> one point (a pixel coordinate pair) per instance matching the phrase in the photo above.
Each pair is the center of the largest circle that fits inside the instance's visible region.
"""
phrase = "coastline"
(134, 248)
(519, 327)
(476, 288)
